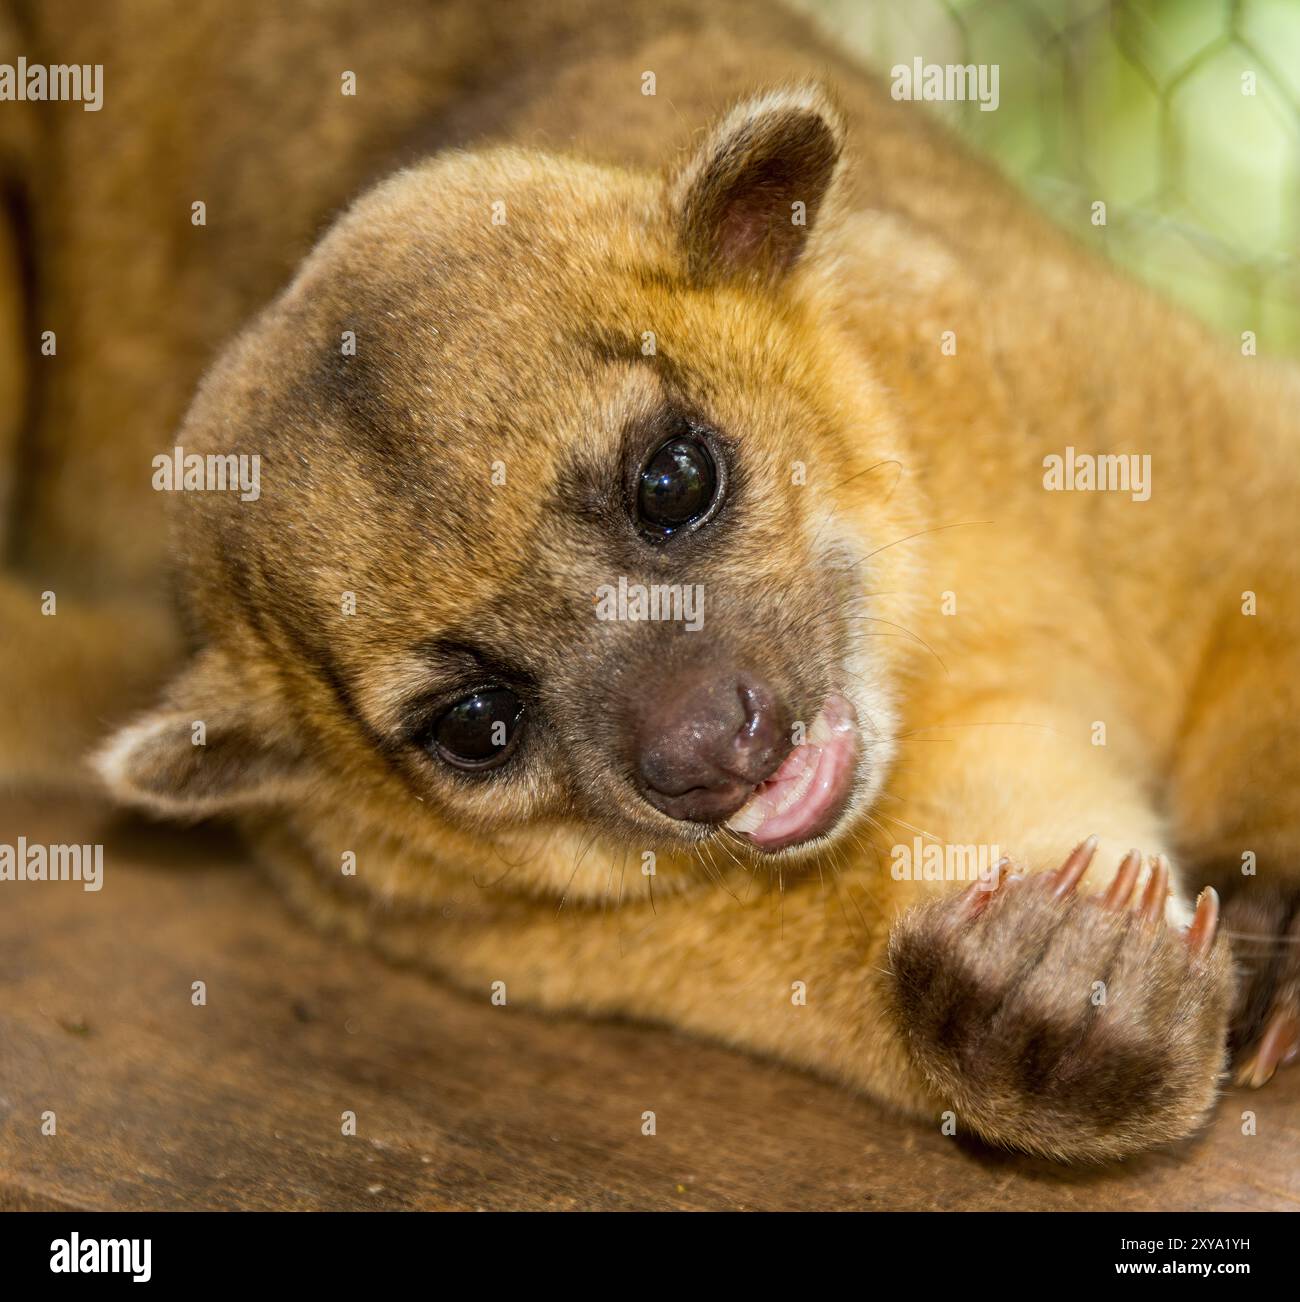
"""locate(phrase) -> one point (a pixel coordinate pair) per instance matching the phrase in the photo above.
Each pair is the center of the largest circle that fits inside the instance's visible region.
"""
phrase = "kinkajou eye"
(677, 486)
(480, 730)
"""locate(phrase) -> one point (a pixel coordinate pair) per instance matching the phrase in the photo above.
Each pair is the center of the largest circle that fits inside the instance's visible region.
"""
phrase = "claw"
(1068, 875)
(1205, 925)
(974, 899)
(1122, 887)
(1152, 908)
(1278, 1044)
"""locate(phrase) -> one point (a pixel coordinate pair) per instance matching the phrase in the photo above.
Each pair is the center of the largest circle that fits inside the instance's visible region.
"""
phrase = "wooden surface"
(161, 1104)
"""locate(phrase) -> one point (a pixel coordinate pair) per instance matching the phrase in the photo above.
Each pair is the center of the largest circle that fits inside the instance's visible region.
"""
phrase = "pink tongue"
(799, 799)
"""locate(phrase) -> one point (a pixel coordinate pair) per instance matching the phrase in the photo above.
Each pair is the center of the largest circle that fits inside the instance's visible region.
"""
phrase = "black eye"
(677, 486)
(480, 730)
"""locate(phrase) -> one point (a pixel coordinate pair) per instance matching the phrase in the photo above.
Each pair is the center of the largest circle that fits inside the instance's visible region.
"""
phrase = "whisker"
(889, 461)
(577, 864)
(920, 533)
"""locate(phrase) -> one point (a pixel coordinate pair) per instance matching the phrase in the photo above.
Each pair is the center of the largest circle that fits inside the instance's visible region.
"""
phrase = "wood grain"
(237, 1104)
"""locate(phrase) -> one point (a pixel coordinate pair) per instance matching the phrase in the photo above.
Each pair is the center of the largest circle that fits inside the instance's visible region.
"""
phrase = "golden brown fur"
(520, 344)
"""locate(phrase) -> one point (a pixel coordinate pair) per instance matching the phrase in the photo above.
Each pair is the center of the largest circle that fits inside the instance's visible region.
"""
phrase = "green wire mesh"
(1182, 116)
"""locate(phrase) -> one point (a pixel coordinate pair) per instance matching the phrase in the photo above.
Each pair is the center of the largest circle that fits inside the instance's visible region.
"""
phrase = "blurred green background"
(1142, 104)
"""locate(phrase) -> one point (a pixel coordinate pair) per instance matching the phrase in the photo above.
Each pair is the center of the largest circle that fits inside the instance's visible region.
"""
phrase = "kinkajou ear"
(746, 202)
(212, 744)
